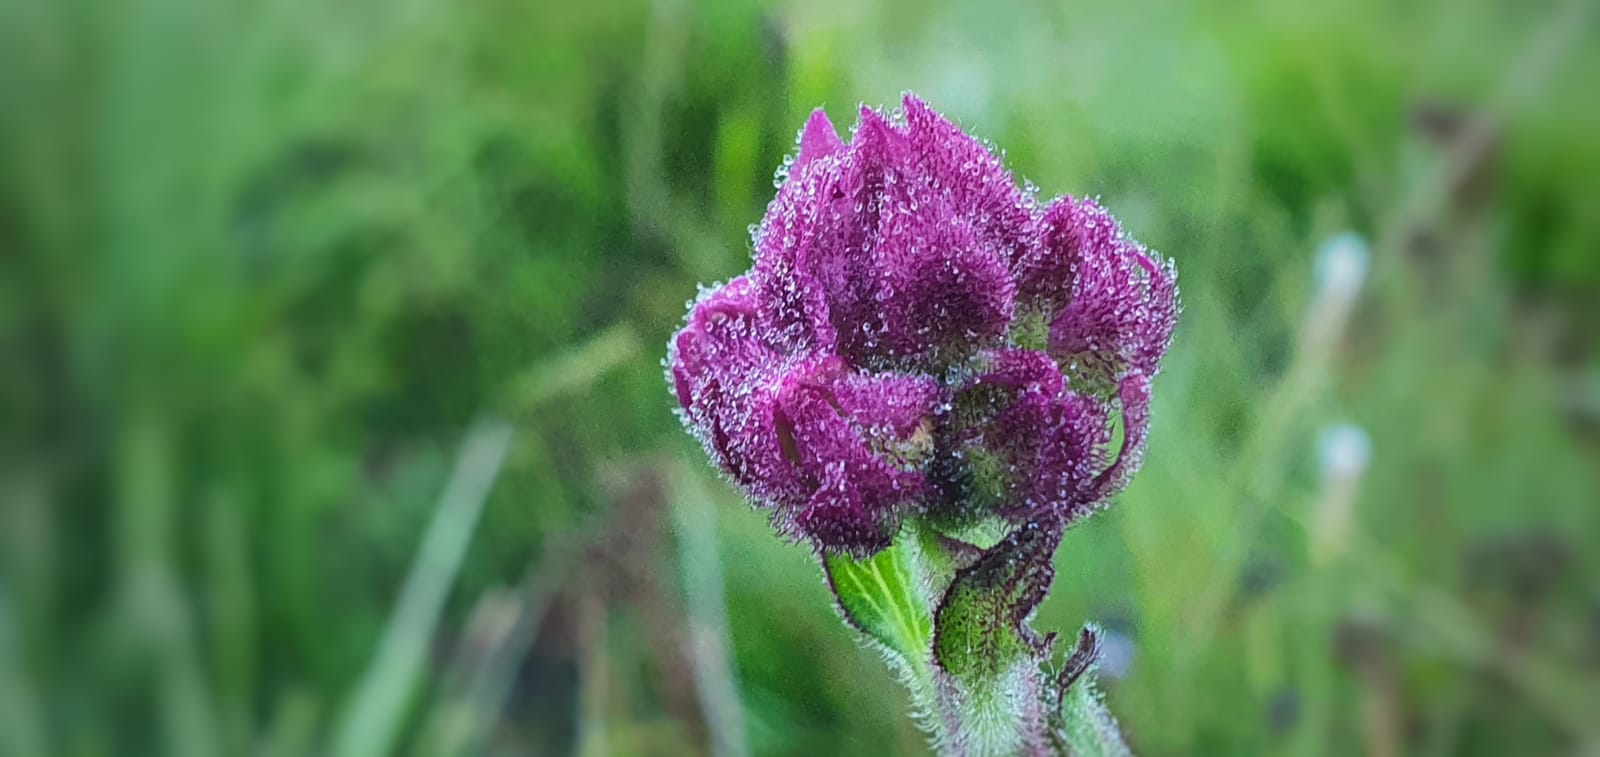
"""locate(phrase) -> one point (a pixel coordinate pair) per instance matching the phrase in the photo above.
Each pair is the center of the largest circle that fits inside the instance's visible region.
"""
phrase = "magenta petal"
(838, 519)
(891, 406)
(1023, 371)
(1044, 442)
(854, 438)
(972, 179)
(1073, 450)
(800, 233)
(1123, 310)
(818, 139)
(944, 294)
(725, 376)
(878, 139)
(895, 248)
(1069, 228)
(721, 334)
(833, 421)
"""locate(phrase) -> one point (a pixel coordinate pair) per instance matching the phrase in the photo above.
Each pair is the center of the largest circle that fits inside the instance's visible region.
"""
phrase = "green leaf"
(982, 629)
(882, 597)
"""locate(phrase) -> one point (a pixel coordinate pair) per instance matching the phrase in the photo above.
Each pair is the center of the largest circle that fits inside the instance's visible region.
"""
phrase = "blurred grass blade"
(695, 521)
(486, 684)
(374, 714)
(19, 712)
(576, 367)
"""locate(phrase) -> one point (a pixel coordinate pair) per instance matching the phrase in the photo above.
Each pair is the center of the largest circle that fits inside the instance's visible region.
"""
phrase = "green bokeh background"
(268, 267)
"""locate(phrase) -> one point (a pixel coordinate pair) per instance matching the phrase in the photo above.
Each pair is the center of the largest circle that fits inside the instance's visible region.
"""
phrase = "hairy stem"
(952, 619)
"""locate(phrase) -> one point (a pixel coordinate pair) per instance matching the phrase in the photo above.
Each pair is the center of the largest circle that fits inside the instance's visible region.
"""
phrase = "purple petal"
(818, 139)
(972, 179)
(1123, 310)
(814, 264)
(1044, 441)
(1074, 447)
(1045, 275)
(857, 440)
(895, 248)
(837, 520)
(720, 338)
(944, 292)
(1023, 371)
(800, 220)
(888, 405)
(725, 377)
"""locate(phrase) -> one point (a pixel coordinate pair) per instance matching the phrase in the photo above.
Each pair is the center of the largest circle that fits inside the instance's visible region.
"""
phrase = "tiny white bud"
(1341, 267)
(1345, 451)
(1339, 271)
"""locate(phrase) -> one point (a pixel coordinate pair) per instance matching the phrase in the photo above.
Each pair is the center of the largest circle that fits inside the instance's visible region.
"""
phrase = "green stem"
(951, 618)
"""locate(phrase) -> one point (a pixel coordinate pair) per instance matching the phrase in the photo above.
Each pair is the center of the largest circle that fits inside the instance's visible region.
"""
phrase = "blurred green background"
(330, 342)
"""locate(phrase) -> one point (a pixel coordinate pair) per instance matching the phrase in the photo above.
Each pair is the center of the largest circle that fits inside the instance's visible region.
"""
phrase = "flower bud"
(917, 335)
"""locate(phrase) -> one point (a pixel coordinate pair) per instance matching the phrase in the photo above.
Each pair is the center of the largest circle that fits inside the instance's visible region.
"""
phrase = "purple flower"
(918, 336)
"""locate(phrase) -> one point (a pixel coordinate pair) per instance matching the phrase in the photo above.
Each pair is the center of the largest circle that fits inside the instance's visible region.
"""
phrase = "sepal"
(882, 597)
(1080, 724)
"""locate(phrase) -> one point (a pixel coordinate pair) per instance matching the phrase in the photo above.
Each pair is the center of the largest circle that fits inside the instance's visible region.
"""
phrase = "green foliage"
(952, 619)
(890, 599)
(881, 597)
